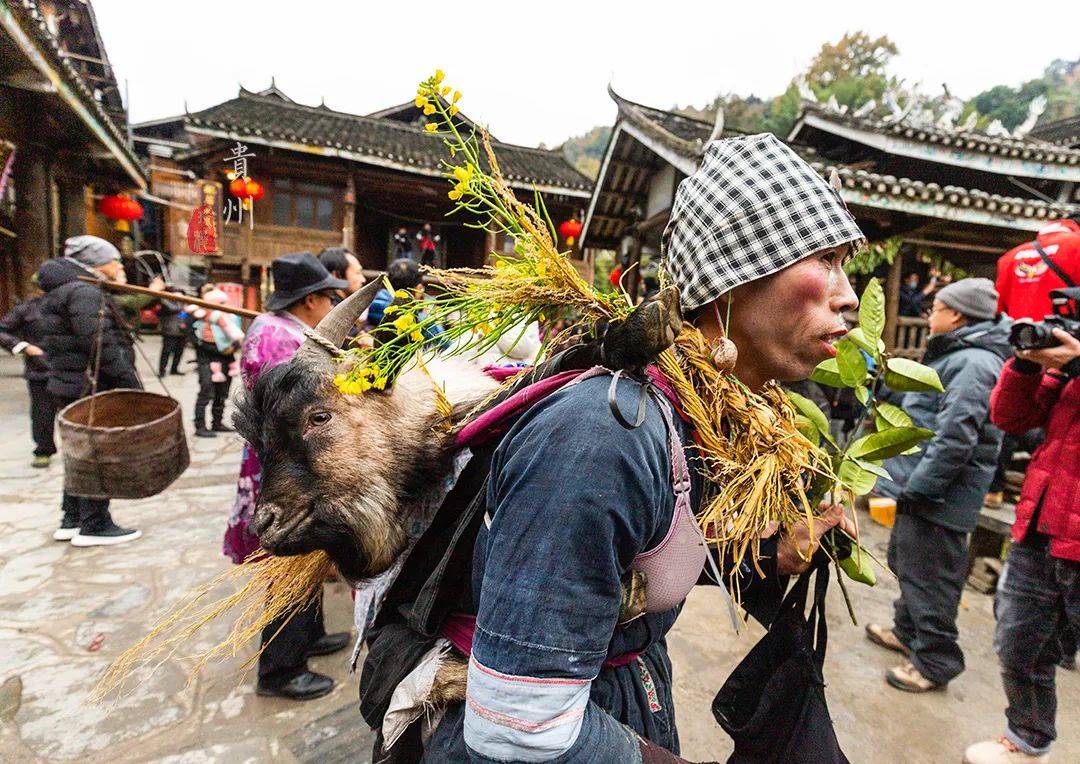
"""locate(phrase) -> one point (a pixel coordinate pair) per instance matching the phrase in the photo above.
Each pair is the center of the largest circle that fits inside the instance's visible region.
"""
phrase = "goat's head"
(342, 473)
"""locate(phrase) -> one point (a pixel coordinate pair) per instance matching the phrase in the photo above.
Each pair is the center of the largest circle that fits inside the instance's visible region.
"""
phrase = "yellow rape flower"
(452, 110)
(390, 309)
(457, 96)
(431, 127)
(379, 383)
(445, 90)
(429, 109)
(417, 337)
(421, 102)
(454, 193)
(484, 328)
(439, 75)
(401, 294)
(463, 174)
(404, 323)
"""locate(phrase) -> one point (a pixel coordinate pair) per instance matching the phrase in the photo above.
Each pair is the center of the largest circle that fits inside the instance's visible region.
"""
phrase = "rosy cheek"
(812, 288)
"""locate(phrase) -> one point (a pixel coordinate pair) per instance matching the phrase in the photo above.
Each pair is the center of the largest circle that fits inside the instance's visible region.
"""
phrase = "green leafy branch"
(862, 364)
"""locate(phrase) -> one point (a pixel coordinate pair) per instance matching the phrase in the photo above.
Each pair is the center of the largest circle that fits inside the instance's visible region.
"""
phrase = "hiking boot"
(202, 432)
(1000, 750)
(994, 499)
(885, 637)
(306, 686)
(330, 643)
(909, 679)
(108, 536)
(222, 427)
(40, 461)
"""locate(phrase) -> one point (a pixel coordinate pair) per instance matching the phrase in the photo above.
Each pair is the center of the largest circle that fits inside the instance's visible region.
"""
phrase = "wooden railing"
(911, 336)
(271, 241)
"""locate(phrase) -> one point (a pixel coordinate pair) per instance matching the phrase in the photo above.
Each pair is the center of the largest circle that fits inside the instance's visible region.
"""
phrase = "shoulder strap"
(1057, 269)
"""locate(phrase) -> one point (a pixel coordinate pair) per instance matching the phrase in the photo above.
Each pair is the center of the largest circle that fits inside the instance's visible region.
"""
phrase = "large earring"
(724, 352)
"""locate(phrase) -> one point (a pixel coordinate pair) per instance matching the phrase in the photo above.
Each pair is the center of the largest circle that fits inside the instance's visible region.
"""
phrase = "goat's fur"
(350, 485)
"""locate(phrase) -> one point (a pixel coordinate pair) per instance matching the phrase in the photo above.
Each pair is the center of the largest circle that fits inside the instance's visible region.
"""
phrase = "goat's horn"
(337, 324)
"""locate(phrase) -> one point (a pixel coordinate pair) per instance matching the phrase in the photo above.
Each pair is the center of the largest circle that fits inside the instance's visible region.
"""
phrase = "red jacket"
(1021, 402)
(1024, 281)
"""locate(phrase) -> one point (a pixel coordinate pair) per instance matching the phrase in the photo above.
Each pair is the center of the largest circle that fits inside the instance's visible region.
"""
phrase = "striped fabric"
(522, 718)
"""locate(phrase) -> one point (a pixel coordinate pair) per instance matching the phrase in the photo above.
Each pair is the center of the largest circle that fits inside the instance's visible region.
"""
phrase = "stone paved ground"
(57, 601)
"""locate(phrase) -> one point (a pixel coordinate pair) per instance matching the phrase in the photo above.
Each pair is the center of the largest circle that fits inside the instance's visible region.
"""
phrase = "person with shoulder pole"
(85, 340)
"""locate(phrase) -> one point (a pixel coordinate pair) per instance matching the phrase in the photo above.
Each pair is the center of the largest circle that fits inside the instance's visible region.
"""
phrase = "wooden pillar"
(72, 194)
(892, 299)
(348, 216)
(33, 220)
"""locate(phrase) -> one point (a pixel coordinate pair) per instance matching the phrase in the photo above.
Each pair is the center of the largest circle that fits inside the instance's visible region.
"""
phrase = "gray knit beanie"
(90, 251)
(972, 298)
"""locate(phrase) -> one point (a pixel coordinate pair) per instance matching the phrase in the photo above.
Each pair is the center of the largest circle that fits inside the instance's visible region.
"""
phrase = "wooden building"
(968, 197)
(332, 179)
(63, 139)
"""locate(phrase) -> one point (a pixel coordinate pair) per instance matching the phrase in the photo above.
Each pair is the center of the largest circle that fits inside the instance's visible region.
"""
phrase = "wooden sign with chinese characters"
(204, 229)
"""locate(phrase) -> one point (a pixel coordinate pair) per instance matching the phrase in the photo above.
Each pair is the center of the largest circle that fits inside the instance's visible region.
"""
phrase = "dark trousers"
(88, 514)
(1037, 597)
(285, 655)
(930, 562)
(209, 390)
(172, 352)
(42, 417)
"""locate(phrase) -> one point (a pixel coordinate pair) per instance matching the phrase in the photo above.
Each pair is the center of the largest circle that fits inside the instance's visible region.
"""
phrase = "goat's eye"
(319, 418)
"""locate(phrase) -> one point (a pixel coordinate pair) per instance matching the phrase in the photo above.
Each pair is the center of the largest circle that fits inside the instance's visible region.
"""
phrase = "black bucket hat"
(298, 275)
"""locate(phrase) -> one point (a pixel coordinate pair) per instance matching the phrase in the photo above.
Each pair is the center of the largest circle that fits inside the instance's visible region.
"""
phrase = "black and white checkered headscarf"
(752, 208)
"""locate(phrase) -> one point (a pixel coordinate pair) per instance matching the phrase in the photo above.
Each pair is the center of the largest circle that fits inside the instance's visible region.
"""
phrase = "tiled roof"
(1063, 131)
(32, 21)
(1014, 148)
(385, 142)
(693, 134)
(918, 191)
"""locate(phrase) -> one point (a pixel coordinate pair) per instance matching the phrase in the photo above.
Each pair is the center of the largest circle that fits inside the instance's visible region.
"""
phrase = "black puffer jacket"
(69, 326)
(23, 325)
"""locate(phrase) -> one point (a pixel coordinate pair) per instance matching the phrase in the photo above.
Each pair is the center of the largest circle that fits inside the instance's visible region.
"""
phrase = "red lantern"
(570, 230)
(131, 210)
(238, 188)
(111, 206)
(253, 190)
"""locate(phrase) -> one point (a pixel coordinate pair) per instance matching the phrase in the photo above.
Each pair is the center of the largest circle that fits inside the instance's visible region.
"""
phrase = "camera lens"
(1026, 336)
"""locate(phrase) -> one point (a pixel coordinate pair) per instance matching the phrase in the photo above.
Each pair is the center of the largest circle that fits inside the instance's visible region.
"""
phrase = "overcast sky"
(538, 71)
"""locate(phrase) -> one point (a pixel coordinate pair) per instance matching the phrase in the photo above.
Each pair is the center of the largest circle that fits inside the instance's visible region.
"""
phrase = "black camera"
(1066, 316)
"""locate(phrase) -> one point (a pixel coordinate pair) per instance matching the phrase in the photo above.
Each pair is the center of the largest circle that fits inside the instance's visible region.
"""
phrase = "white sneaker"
(1000, 750)
(108, 537)
(64, 534)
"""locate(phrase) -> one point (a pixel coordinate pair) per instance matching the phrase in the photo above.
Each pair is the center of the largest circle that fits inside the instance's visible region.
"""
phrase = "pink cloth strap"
(459, 629)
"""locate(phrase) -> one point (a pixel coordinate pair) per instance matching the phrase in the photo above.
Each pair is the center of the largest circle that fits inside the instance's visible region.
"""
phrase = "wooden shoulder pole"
(174, 296)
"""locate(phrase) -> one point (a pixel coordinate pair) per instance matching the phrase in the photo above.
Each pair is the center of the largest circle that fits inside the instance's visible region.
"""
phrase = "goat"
(347, 473)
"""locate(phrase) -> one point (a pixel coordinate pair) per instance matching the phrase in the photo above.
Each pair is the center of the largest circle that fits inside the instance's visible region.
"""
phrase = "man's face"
(112, 271)
(354, 274)
(944, 319)
(785, 324)
(319, 304)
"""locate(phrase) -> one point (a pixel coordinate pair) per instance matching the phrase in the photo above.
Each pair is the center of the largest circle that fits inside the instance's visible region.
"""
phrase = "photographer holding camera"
(1039, 591)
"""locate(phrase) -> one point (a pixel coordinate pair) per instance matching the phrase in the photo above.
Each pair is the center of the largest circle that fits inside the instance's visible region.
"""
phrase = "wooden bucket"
(135, 448)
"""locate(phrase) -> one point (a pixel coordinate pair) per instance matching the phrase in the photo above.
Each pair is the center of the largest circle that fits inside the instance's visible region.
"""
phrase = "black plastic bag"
(773, 704)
